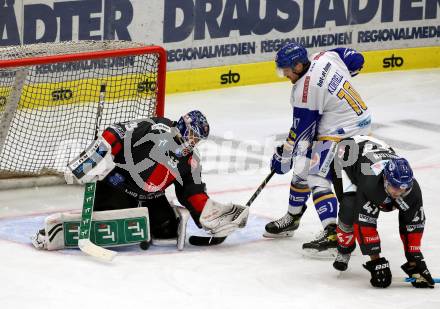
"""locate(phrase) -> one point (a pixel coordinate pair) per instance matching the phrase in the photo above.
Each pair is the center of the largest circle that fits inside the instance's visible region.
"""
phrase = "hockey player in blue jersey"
(326, 109)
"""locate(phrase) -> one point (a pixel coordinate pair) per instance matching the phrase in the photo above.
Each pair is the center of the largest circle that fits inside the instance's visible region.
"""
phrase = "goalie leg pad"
(222, 219)
(111, 228)
(183, 216)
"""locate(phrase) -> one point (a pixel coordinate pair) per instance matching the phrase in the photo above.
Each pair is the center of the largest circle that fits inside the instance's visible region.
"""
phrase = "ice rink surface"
(246, 271)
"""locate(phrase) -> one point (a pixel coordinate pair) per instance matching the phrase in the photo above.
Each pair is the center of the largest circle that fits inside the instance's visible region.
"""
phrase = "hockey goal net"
(49, 97)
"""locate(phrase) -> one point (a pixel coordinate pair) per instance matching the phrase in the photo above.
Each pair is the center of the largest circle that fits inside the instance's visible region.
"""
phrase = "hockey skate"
(341, 261)
(285, 226)
(324, 246)
(39, 240)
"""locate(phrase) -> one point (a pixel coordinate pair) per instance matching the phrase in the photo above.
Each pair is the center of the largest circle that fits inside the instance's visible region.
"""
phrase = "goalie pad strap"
(113, 140)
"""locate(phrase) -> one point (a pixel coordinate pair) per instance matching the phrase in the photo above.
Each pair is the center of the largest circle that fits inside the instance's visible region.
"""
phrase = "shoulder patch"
(306, 89)
(118, 130)
(323, 75)
(378, 167)
(161, 127)
(402, 204)
(318, 55)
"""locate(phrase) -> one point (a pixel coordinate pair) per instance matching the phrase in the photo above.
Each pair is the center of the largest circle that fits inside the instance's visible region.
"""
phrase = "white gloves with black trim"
(220, 220)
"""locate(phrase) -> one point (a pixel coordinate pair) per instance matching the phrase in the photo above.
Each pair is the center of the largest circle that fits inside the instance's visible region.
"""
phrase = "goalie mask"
(193, 127)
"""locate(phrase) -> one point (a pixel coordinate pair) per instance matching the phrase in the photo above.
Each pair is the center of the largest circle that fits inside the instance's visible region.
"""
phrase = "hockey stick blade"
(407, 279)
(202, 241)
(86, 246)
(212, 241)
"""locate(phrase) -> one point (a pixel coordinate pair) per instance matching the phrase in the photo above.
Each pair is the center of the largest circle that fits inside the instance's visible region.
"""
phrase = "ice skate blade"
(279, 235)
(163, 242)
(329, 254)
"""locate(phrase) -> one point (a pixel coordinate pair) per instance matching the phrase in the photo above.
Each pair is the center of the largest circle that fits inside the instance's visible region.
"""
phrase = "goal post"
(49, 95)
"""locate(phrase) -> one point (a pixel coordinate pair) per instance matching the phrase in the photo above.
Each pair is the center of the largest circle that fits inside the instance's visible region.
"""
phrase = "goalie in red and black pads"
(150, 155)
(373, 178)
(135, 161)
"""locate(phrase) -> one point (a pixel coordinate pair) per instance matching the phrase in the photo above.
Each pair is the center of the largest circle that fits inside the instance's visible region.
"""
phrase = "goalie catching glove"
(220, 220)
(92, 164)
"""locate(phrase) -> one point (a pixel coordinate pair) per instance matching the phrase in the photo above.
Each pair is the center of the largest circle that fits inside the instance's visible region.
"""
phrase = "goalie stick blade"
(86, 246)
(205, 240)
(212, 241)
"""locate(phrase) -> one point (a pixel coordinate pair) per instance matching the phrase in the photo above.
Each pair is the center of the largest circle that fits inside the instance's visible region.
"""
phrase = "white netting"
(54, 117)
(62, 48)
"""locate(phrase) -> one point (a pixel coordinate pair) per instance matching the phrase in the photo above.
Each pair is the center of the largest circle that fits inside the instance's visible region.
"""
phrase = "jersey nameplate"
(161, 127)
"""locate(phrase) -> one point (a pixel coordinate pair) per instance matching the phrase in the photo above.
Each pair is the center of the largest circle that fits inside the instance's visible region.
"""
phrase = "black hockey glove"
(380, 272)
(281, 161)
(420, 272)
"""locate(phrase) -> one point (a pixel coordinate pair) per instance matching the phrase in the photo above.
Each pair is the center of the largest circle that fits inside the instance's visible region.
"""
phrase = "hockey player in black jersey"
(373, 178)
(143, 158)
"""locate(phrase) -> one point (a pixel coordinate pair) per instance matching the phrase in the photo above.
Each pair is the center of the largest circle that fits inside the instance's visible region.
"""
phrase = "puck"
(144, 245)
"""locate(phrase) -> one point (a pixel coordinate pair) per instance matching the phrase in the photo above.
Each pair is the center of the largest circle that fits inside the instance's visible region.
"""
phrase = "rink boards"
(264, 72)
(39, 92)
(143, 86)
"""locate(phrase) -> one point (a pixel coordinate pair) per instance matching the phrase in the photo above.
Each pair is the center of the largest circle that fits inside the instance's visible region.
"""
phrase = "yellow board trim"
(119, 88)
(264, 72)
(132, 86)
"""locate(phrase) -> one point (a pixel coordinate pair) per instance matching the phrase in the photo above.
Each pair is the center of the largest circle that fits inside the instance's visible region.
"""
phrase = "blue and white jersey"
(325, 104)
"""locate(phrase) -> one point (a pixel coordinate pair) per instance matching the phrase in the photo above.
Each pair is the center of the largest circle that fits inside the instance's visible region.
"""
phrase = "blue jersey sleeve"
(352, 59)
(304, 127)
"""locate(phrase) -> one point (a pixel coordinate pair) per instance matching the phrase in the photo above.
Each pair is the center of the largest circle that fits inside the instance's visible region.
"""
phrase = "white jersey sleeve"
(325, 104)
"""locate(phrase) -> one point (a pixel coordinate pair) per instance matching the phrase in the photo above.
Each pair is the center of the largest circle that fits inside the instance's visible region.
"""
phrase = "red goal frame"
(160, 99)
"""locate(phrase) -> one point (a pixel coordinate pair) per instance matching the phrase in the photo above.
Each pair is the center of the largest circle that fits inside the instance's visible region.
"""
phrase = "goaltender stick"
(133, 163)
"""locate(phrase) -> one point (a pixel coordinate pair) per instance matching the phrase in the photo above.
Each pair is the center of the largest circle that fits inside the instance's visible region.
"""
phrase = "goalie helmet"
(193, 125)
(290, 55)
(398, 173)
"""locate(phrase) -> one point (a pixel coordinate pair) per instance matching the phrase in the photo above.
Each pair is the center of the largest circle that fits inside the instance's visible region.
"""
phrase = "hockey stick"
(408, 279)
(84, 243)
(210, 241)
